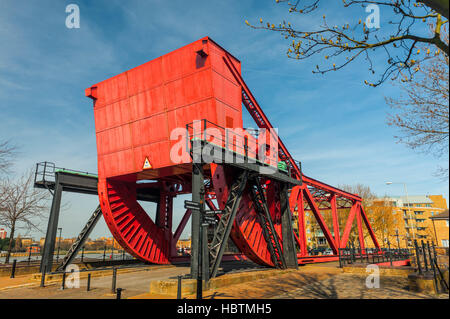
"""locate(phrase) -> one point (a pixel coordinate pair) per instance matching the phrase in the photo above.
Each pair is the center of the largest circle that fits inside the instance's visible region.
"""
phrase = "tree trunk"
(11, 239)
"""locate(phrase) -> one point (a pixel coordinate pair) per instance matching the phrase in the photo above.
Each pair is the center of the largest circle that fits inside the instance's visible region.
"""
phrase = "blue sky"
(333, 123)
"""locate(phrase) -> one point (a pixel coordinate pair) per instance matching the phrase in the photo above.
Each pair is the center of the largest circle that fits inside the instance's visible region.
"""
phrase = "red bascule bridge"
(171, 127)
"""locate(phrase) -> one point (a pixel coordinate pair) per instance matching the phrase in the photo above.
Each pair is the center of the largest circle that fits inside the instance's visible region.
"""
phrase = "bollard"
(43, 276)
(390, 252)
(114, 278)
(13, 269)
(63, 285)
(88, 287)
(199, 288)
(436, 285)
(119, 293)
(340, 258)
(424, 253)
(179, 288)
(418, 256)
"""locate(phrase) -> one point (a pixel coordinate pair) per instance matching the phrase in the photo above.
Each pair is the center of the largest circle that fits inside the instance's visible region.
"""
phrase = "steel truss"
(313, 194)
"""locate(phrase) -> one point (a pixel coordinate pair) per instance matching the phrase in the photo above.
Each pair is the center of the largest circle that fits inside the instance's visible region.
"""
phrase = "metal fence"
(98, 260)
(426, 262)
(353, 255)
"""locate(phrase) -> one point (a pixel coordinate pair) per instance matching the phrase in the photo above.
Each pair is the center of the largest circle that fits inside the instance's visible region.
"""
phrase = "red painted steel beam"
(182, 225)
(348, 225)
(316, 259)
(320, 220)
(328, 208)
(360, 229)
(263, 122)
(331, 189)
(397, 263)
(369, 228)
(337, 237)
(296, 199)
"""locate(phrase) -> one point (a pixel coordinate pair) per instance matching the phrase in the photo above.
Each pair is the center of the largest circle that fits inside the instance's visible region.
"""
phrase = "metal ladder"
(223, 228)
(81, 239)
(269, 232)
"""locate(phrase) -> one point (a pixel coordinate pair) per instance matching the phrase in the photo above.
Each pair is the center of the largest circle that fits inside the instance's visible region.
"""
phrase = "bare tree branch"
(7, 153)
(422, 115)
(402, 40)
(21, 205)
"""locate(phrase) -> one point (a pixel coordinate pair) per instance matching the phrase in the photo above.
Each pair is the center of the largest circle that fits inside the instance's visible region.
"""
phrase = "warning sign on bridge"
(147, 164)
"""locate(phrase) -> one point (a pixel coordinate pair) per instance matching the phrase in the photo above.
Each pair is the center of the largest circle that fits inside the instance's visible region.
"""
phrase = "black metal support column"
(50, 237)
(222, 232)
(198, 197)
(205, 253)
(289, 250)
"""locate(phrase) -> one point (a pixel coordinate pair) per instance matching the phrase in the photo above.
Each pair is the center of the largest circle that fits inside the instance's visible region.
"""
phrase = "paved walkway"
(319, 282)
(9, 282)
(134, 283)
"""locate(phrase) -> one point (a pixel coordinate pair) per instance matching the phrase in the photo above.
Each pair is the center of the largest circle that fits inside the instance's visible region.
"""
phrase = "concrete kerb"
(383, 271)
(189, 286)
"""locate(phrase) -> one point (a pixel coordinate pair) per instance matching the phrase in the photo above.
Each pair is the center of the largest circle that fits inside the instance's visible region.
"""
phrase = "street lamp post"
(398, 239)
(59, 244)
(408, 206)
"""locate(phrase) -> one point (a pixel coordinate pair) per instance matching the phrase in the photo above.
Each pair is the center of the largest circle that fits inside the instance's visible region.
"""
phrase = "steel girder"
(317, 195)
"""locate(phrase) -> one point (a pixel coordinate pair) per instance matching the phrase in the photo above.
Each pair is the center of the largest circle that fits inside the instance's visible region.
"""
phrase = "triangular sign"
(147, 164)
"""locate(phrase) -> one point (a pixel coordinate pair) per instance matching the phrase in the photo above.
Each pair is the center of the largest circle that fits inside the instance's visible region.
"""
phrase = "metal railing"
(45, 172)
(244, 145)
(426, 262)
(353, 255)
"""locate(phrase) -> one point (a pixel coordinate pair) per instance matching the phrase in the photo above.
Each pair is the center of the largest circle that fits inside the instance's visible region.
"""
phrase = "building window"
(445, 242)
(446, 222)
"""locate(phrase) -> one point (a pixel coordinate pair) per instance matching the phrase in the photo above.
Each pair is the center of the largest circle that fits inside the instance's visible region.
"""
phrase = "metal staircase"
(81, 239)
(269, 232)
(225, 224)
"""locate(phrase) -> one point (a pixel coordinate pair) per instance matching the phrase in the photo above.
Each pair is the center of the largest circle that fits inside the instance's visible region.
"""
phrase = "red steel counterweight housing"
(136, 111)
(135, 114)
